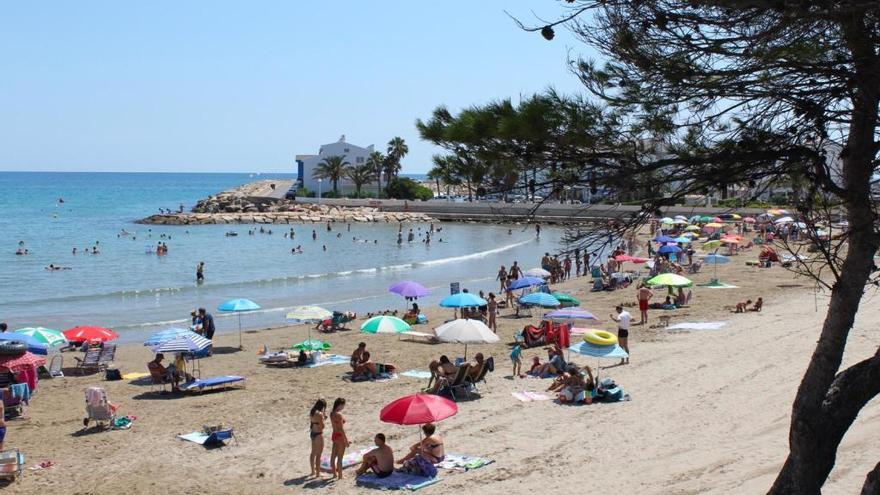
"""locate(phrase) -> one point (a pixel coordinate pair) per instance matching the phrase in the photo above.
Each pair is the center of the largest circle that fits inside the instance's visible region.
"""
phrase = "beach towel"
(203, 438)
(123, 422)
(706, 325)
(463, 462)
(134, 376)
(380, 377)
(397, 481)
(331, 359)
(21, 391)
(211, 382)
(529, 396)
(349, 459)
(420, 374)
(719, 285)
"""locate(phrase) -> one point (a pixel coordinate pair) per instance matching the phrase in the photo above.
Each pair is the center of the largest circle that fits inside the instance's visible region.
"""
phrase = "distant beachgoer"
(314, 235)
(339, 438)
(492, 309)
(324, 246)
(759, 304)
(317, 416)
(3, 328)
(623, 318)
(200, 272)
(410, 236)
(644, 295)
(399, 238)
(360, 362)
(207, 323)
(514, 272)
(328, 227)
(537, 230)
(516, 359)
(743, 306)
(425, 454)
(2, 426)
(379, 460)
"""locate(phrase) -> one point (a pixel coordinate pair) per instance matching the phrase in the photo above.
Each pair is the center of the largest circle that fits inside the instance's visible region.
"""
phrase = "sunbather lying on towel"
(423, 455)
(379, 460)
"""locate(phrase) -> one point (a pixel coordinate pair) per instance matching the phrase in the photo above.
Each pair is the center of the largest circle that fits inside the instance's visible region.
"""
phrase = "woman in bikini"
(339, 438)
(316, 435)
(425, 454)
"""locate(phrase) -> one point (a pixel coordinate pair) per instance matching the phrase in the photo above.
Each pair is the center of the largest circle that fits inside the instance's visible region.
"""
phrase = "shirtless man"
(644, 296)
(360, 361)
(380, 460)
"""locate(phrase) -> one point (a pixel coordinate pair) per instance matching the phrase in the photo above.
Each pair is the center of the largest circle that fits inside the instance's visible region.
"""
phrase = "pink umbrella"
(418, 409)
(749, 220)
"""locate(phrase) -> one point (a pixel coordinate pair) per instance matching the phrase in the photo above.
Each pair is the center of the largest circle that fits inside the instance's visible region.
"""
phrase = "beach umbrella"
(694, 218)
(663, 239)
(713, 225)
(715, 259)
(192, 343)
(90, 334)
(717, 219)
(165, 335)
(312, 345)
(666, 220)
(537, 273)
(749, 220)
(238, 306)
(777, 211)
(692, 228)
(784, 220)
(21, 362)
(52, 338)
(670, 279)
(679, 222)
(682, 239)
(705, 218)
(669, 249)
(309, 314)
(540, 299)
(463, 300)
(565, 300)
(522, 283)
(384, 324)
(34, 346)
(570, 314)
(711, 244)
(632, 259)
(418, 409)
(680, 217)
(466, 332)
(585, 348)
(408, 288)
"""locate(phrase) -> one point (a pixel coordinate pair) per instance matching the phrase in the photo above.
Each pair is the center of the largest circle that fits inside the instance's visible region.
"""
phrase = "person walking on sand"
(502, 277)
(492, 309)
(623, 318)
(200, 272)
(644, 295)
(339, 438)
(317, 416)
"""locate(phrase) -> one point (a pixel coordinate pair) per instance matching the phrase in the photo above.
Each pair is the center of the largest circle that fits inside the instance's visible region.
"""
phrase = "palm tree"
(359, 175)
(443, 170)
(397, 149)
(376, 161)
(333, 169)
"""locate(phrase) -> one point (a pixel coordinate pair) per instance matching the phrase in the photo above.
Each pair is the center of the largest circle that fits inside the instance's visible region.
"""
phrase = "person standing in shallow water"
(200, 272)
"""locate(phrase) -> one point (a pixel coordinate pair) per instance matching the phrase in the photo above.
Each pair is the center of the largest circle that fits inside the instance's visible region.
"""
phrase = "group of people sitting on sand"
(747, 305)
(572, 384)
(363, 367)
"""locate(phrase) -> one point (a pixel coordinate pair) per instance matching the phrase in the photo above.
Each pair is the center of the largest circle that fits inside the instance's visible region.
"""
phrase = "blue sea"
(132, 290)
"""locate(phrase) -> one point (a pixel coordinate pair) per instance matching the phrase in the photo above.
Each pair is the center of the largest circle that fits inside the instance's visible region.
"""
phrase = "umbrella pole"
(240, 347)
(465, 352)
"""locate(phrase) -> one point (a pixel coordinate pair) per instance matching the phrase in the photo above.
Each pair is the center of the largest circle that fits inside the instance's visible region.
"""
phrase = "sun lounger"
(209, 383)
(397, 481)
(427, 337)
(89, 362)
(98, 408)
(11, 464)
(350, 459)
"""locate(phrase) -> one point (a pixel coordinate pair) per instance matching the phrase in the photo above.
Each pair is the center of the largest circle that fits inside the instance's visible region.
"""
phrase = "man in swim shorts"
(623, 318)
(379, 460)
(644, 296)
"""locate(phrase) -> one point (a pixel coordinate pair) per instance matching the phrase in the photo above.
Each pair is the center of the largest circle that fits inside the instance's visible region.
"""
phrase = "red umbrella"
(418, 409)
(89, 333)
(21, 362)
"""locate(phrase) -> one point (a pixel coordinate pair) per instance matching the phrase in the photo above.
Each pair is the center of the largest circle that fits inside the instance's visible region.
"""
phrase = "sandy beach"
(709, 410)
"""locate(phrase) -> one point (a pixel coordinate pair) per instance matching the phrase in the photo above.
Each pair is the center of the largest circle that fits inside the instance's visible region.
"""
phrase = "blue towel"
(212, 382)
(21, 391)
(397, 481)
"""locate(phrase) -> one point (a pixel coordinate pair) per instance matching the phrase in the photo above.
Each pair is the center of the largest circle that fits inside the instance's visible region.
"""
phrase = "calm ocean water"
(135, 292)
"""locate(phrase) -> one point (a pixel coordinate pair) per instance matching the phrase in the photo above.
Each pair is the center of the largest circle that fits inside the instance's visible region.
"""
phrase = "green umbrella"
(671, 280)
(705, 219)
(566, 299)
(52, 338)
(312, 345)
(384, 324)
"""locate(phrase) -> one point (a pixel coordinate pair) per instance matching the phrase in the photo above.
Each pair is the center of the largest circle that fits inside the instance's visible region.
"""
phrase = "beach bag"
(421, 319)
(112, 374)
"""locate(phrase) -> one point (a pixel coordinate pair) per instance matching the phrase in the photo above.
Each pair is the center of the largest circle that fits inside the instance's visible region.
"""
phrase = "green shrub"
(406, 188)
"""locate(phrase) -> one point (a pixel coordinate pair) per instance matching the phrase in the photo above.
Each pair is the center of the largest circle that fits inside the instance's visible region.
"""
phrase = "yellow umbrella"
(714, 225)
(711, 244)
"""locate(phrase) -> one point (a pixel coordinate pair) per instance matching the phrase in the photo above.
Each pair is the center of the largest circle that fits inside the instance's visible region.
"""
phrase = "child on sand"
(516, 358)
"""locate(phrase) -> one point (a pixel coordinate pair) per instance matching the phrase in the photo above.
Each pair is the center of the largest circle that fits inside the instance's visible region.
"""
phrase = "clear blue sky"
(244, 86)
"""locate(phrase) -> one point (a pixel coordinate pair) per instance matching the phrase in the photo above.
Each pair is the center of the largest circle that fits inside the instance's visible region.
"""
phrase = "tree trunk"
(825, 405)
(470, 196)
(872, 482)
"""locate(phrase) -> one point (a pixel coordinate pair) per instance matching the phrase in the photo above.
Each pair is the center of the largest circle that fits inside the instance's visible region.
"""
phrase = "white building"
(306, 165)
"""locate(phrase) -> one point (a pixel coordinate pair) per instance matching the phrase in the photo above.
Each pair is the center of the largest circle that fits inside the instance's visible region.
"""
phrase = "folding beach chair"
(98, 408)
(11, 464)
(488, 365)
(105, 359)
(89, 361)
(458, 383)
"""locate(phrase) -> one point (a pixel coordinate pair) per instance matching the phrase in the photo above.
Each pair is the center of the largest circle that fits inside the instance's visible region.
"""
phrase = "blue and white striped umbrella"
(716, 259)
(163, 336)
(193, 343)
(522, 283)
(599, 351)
(463, 300)
(570, 314)
(540, 299)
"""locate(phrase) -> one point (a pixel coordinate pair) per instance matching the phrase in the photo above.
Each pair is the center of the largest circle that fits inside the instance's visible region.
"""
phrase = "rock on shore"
(286, 212)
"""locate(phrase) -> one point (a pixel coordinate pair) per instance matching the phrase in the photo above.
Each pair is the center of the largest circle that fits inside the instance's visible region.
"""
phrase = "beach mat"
(350, 459)
(134, 376)
(420, 374)
(463, 462)
(381, 377)
(195, 437)
(529, 396)
(331, 359)
(706, 325)
(397, 481)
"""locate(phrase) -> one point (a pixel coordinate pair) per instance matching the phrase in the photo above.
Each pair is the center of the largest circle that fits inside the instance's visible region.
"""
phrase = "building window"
(346, 150)
(359, 159)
